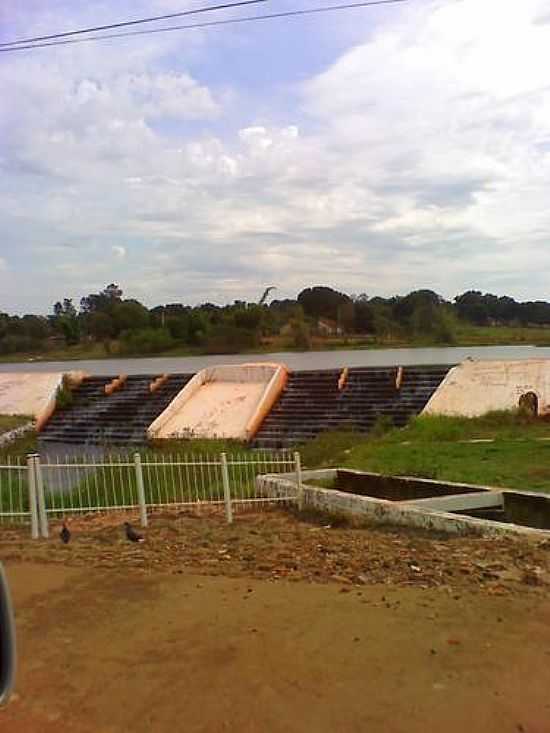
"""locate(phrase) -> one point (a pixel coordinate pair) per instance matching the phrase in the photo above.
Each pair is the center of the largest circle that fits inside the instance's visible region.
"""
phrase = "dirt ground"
(275, 624)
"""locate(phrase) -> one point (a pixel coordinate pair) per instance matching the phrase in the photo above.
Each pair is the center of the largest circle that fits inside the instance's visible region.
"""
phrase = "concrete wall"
(222, 402)
(527, 508)
(476, 387)
(395, 488)
(384, 512)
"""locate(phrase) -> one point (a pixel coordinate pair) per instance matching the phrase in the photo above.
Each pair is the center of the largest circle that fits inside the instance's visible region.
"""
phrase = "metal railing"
(14, 491)
(40, 488)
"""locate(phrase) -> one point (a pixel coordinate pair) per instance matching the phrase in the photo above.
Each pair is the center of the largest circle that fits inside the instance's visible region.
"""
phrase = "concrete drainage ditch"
(454, 508)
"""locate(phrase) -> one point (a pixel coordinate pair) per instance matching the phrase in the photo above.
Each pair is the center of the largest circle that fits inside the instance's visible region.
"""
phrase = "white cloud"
(447, 100)
(419, 157)
(119, 252)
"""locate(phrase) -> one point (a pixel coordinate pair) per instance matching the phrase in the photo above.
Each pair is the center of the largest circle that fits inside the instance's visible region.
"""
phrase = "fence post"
(41, 499)
(299, 484)
(226, 489)
(33, 508)
(140, 491)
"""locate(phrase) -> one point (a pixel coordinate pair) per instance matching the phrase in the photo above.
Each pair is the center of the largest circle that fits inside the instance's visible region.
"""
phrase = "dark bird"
(65, 533)
(131, 533)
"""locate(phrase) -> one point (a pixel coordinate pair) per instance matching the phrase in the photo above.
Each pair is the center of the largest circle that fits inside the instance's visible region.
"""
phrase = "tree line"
(108, 318)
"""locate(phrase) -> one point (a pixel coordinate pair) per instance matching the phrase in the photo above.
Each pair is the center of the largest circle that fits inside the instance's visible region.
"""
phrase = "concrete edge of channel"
(385, 512)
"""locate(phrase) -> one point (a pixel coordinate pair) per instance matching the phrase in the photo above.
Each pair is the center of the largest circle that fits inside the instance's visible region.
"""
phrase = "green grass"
(501, 424)
(116, 484)
(469, 335)
(19, 448)
(430, 448)
(10, 422)
(10, 485)
(505, 463)
(196, 478)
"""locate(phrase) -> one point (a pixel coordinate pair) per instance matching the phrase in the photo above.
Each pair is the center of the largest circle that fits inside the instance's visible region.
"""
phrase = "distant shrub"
(301, 337)
(229, 339)
(146, 341)
(13, 344)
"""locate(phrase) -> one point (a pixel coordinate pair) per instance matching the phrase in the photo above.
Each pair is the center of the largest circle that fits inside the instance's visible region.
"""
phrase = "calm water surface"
(294, 360)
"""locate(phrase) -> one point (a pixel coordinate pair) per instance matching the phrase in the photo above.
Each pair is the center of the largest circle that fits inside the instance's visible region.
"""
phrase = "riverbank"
(466, 336)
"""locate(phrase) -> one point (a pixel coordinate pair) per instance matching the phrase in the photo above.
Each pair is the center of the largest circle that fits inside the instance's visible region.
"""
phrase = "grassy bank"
(469, 335)
(10, 422)
(434, 447)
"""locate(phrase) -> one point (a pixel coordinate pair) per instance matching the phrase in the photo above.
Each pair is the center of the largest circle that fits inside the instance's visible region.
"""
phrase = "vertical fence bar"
(20, 472)
(299, 484)
(32, 497)
(10, 492)
(89, 470)
(140, 490)
(41, 499)
(78, 475)
(226, 488)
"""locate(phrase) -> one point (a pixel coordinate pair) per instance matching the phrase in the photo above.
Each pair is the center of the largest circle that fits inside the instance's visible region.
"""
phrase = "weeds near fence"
(14, 491)
(82, 484)
(141, 480)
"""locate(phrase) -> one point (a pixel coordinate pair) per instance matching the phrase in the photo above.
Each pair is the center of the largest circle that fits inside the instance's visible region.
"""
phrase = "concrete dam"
(264, 404)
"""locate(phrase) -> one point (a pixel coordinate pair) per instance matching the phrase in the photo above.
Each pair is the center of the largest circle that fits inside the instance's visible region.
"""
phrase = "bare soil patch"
(277, 545)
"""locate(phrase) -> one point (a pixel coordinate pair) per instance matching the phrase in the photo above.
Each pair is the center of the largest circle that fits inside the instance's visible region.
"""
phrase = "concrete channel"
(453, 508)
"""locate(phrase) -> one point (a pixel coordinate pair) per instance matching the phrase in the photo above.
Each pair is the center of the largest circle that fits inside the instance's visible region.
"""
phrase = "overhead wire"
(206, 24)
(121, 24)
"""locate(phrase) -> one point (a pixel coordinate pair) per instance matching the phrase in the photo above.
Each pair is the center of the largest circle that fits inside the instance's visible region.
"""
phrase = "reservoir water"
(294, 359)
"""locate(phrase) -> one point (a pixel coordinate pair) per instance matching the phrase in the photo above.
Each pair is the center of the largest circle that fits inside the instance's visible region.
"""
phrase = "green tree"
(100, 325)
(249, 318)
(66, 321)
(322, 302)
(129, 314)
(102, 301)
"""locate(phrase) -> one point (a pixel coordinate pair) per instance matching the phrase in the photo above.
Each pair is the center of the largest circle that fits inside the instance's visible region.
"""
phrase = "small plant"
(64, 396)
(382, 425)
(330, 448)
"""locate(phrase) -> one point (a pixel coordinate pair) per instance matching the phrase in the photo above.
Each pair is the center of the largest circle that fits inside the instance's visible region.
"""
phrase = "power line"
(210, 8)
(208, 24)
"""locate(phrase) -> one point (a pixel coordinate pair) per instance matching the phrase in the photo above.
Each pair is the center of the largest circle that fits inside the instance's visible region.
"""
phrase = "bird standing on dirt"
(131, 533)
(65, 533)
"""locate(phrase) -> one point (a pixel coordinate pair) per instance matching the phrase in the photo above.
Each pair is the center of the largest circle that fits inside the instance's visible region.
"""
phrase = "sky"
(377, 151)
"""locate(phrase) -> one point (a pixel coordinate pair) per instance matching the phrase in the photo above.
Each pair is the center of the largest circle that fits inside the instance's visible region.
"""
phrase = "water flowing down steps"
(312, 402)
(121, 418)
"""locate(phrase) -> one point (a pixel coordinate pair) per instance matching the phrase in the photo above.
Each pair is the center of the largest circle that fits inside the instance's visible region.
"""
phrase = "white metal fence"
(34, 489)
(14, 490)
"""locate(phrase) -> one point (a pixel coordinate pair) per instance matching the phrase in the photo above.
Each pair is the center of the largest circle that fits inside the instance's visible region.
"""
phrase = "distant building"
(328, 327)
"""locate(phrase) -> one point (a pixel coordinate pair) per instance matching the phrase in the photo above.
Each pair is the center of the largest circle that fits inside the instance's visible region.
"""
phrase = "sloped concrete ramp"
(222, 402)
(28, 394)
